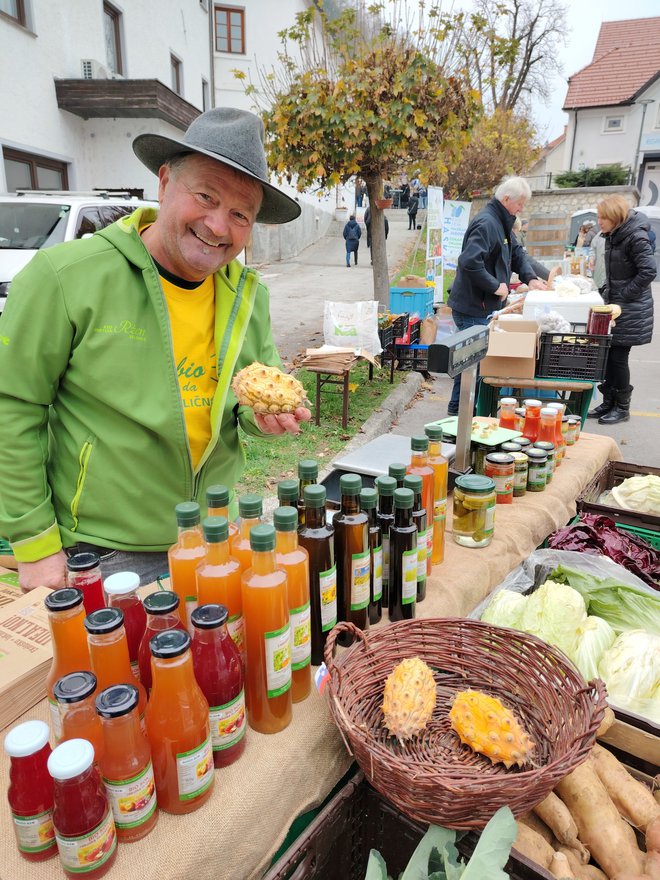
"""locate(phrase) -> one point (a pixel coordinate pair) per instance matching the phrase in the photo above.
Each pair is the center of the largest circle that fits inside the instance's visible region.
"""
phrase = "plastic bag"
(352, 325)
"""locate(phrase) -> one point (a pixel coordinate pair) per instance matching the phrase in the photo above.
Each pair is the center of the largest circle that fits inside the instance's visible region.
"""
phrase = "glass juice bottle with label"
(219, 673)
(385, 518)
(217, 503)
(317, 537)
(508, 413)
(532, 420)
(108, 651)
(368, 502)
(440, 467)
(546, 432)
(66, 620)
(250, 509)
(403, 558)
(398, 470)
(352, 556)
(121, 592)
(219, 578)
(267, 636)
(559, 440)
(184, 557)
(78, 719)
(295, 562)
(83, 571)
(419, 464)
(288, 492)
(162, 613)
(178, 727)
(30, 793)
(308, 474)
(84, 825)
(126, 767)
(414, 483)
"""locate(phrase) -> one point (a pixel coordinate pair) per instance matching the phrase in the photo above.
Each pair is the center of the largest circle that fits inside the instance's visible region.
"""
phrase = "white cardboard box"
(574, 309)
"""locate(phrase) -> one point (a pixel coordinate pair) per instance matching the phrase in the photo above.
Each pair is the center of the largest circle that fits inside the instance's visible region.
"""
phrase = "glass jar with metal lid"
(523, 442)
(473, 510)
(499, 466)
(510, 446)
(479, 453)
(520, 417)
(573, 430)
(520, 465)
(537, 473)
(548, 447)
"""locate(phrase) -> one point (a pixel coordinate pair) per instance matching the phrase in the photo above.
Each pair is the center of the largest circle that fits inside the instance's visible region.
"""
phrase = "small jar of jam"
(599, 320)
(83, 571)
(536, 469)
(499, 467)
(520, 413)
(520, 464)
(473, 519)
(548, 447)
(510, 446)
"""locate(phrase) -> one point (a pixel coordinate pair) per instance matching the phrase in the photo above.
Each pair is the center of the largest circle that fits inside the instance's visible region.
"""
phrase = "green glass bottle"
(352, 556)
(415, 483)
(403, 558)
(368, 499)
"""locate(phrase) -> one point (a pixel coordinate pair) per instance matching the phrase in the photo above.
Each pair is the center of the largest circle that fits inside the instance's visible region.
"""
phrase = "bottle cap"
(404, 499)
(308, 469)
(216, 529)
(397, 470)
(385, 485)
(209, 616)
(413, 481)
(62, 600)
(314, 496)
(523, 442)
(508, 401)
(288, 490)
(74, 687)
(285, 519)
(532, 402)
(500, 458)
(368, 498)
(161, 602)
(250, 505)
(433, 432)
(549, 411)
(536, 454)
(104, 620)
(117, 700)
(419, 444)
(121, 583)
(187, 513)
(511, 446)
(26, 739)
(70, 758)
(169, 643)
(262, 537)
(475, 483)
(350, 484)
(83, 561)
(546, 445)
(217, 496)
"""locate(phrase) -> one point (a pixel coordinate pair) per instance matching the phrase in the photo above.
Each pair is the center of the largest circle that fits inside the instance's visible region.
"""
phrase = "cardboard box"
(512, 350)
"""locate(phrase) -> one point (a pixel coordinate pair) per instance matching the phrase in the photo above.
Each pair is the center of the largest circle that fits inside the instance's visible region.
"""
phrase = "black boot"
(606, 405)
(621, 410)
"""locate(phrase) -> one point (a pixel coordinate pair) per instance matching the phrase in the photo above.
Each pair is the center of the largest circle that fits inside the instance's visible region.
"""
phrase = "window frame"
(206, 95)
(176, 74)
(115, 16)
(610, 117)
(34, 161)
(21, 14)
(228, 10)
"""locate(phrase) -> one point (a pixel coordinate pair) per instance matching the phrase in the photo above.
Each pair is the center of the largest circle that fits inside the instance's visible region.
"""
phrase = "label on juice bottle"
(278, 661)
(378, 573)
(132, 800)
(440, 510)
(191, 604)
(55, 720)
(300, 620)
(34, 833)
(236, 629)
(194, 770)
(88, 852)
(409, 576)
(328, 591)
(422, 553)
(228, 723)
(360, 570)
(386, 560)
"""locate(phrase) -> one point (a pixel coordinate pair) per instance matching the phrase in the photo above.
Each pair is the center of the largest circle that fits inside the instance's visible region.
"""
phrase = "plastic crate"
(611, 474)
(386, 335)
(400, 324)
(336, 844)
(413, 357)
(411, 334)
(651, 536)
(573, 356)
(414, 300)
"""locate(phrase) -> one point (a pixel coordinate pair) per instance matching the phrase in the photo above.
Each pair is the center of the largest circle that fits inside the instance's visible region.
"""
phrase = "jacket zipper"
(83, 462)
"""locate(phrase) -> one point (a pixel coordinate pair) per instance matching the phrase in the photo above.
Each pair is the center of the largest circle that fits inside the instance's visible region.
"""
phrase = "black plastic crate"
(400, 324)
(573, 356)
(386, 335)
(413, 357)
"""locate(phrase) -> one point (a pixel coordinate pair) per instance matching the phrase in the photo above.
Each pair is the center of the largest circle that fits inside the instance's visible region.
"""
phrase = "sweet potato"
(532, 821)
(608, 720)
(653, 836)
(601, 829)
(652, 867)
(560, 868)
(582, 872)
(557, 817)
(532, 845)
(632, 799)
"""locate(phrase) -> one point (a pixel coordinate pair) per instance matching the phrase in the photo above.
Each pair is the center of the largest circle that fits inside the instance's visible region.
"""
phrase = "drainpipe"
(570, 164)
(211, 8)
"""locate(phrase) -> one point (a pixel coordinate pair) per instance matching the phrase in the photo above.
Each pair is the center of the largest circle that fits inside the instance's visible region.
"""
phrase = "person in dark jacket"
(629, 270)
(490, 253)
(367, 224)
(352, 234)
(413, 204)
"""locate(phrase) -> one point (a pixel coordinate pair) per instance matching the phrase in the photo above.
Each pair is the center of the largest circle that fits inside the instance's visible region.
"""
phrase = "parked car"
(31, 220)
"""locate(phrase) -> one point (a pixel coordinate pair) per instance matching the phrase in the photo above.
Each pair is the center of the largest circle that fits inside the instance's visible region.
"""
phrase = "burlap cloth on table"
(234, 835)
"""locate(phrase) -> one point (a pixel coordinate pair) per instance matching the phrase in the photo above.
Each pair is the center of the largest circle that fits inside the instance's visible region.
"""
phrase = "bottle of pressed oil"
(403, 558)
(419, 464)
(385, 518)
(398, 470)
(267, 636)
(308, 474)
(317, 537)
(295, 562)
(250, 511)
(287, 493)
(440, 472)
(414, 482)
(217, 501)
(352, 556)
(368, 499)
(184, 557)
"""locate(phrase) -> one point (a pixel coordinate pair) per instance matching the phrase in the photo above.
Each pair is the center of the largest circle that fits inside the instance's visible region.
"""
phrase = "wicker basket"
(433, 777)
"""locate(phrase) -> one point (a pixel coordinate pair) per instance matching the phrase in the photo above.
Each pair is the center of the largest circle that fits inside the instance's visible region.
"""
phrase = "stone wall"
(271, 244)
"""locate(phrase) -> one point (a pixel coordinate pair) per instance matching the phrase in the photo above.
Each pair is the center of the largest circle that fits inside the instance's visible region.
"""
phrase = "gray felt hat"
(233, 137)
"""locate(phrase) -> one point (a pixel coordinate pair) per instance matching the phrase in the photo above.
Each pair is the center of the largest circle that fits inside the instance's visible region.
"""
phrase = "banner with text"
(456, 216)
(434, 228)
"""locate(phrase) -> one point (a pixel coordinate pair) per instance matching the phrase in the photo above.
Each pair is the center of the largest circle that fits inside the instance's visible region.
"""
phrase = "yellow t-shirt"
(192, 323)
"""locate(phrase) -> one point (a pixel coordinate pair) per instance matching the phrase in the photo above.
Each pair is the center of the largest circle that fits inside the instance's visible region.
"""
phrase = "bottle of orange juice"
(217, 501)
(184, 557)
(419, 464)
(250, 511)
(294, 559)
(218, 578)
(267, 636)
(440, 473)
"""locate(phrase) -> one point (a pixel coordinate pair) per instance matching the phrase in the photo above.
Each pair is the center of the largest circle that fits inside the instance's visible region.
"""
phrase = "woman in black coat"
(630, 268)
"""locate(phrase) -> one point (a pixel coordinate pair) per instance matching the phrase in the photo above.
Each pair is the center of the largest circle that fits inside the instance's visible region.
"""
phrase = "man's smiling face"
(206, 215)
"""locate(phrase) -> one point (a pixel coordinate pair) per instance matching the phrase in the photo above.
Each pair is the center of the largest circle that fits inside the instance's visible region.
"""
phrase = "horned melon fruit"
(267, 389)
(485, 725)
(409, 698)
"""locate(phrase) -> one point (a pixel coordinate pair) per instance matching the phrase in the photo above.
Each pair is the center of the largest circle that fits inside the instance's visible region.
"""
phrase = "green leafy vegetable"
(595, 636)
(376, 867)
(553, 613)
(436, 837)
(631, 672)
(492, 851)
(505, 609)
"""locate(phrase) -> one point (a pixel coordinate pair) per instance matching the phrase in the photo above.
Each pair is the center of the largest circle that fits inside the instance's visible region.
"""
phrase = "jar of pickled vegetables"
(474, 510)
(573, 431)
(499, 467)
(479, 453)
(548, 447)
(537, 473)
(520, 418)
(520, 463)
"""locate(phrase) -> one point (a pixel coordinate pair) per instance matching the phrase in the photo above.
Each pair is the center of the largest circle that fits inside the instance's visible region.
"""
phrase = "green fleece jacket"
(93, 441)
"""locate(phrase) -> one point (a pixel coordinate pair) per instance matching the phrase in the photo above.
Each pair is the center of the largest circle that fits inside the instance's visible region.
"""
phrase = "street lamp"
(645, 103)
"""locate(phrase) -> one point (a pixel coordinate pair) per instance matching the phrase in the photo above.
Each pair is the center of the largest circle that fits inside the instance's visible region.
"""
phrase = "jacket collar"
(507, 220)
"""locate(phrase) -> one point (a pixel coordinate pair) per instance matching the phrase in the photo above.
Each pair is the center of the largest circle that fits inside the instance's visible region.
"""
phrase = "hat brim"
(153, 150)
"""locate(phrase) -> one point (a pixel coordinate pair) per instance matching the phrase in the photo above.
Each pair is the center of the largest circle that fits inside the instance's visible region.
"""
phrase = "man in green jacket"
(117, 354)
